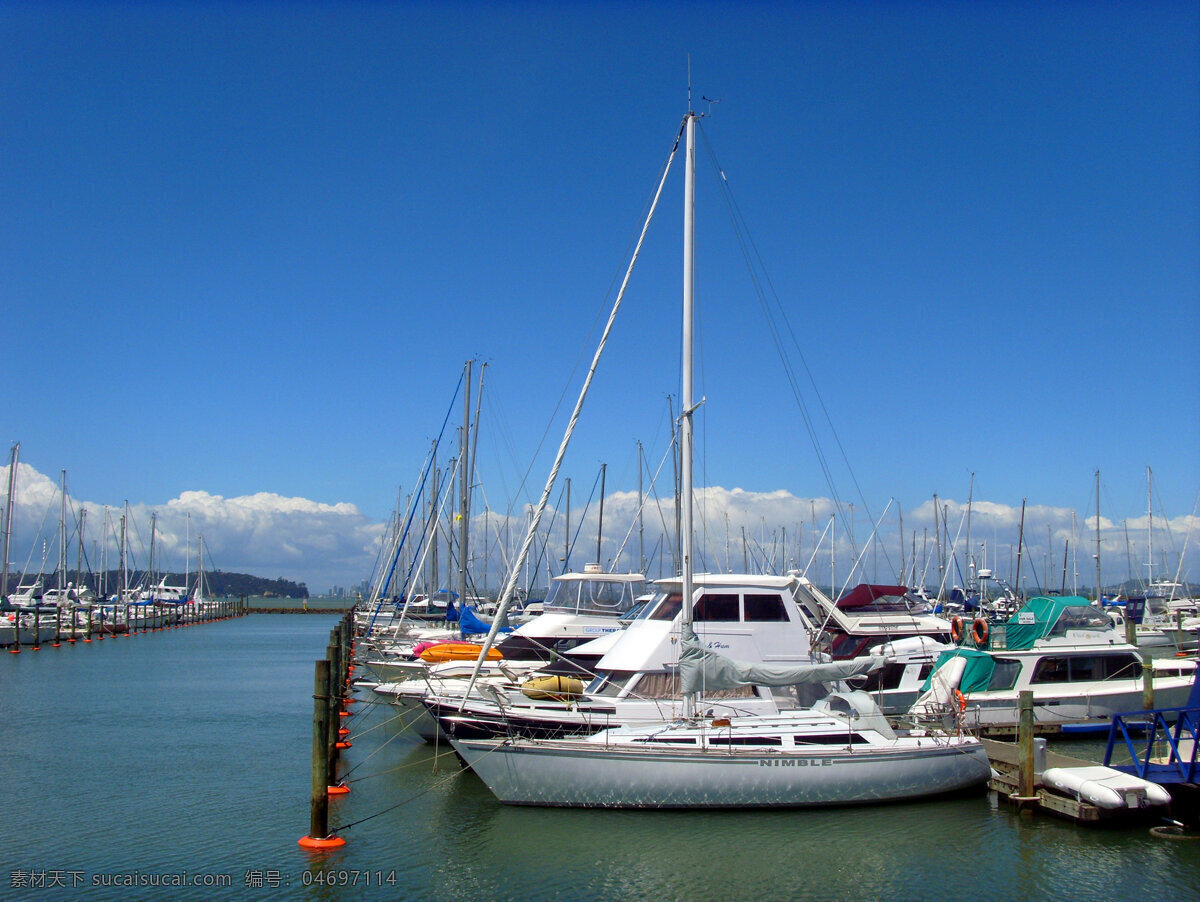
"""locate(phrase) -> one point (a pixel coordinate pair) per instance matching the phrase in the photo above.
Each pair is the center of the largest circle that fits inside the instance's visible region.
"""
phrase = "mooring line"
(413, 798)
(400, 767)
(403, 728)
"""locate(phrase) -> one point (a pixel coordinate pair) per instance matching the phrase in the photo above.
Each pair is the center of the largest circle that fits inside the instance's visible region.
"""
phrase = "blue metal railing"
(1174, 766)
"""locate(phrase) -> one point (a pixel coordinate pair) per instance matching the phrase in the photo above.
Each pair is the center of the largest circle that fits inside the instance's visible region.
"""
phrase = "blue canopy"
(469, 624)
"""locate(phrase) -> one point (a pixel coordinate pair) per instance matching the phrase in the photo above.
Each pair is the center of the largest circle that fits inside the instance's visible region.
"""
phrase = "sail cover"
(704, 670)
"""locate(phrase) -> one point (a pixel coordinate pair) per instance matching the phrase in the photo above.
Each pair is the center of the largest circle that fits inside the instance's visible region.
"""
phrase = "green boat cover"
(976, 675)
(1040, 617)
(1047, 612)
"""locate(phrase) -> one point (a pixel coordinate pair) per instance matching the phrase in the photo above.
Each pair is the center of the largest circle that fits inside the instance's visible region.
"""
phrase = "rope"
(372, 755)
(384, 773)
(413, 798)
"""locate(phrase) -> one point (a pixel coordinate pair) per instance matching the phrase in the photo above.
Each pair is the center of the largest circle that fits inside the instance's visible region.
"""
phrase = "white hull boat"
(805, 759)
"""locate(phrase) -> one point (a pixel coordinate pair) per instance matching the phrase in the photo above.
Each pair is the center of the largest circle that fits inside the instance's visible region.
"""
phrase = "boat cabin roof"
(715, 580)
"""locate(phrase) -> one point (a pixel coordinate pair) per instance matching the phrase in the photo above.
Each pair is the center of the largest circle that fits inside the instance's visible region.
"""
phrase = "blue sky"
(248, 247)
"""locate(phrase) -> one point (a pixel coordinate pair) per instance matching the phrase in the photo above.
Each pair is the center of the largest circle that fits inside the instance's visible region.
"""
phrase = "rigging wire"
(778, 323)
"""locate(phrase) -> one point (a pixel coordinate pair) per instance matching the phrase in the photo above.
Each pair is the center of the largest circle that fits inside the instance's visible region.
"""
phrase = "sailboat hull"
(566, 775)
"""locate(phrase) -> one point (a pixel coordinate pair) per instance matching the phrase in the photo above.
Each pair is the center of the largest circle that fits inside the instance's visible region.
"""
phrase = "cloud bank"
(324, 545)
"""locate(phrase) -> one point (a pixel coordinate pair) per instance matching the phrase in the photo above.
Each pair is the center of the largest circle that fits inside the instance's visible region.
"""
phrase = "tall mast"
(124, 572)
(1020, 547)
(79, 558)
(1099, 591)
(153, 530)
(199, 568)
(464, 484)
(675, 474)
(600, 520)
(1149, 534)
(8, 515)
(641, 567)
(62, 538)
(686, 404)
(567, 527)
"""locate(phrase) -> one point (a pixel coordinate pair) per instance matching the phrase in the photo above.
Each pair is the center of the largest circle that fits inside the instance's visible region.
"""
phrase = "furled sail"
(702, 669)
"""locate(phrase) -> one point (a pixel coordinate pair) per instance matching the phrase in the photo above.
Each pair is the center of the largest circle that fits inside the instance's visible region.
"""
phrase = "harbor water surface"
(183, 757)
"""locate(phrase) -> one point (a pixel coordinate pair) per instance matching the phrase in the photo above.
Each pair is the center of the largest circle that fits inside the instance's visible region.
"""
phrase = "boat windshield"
(593, 596)
(1080, 617)
(666, 608)
(638, 611)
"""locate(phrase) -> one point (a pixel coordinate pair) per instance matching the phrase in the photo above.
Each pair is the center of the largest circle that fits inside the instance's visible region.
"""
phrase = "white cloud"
(265, 534)
(273, 535)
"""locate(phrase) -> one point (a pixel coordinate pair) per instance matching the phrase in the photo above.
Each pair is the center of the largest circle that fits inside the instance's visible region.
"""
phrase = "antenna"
(710, 101)
(689, 79)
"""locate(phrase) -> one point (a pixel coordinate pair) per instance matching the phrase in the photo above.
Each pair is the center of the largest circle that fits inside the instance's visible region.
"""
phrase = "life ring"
(979, 631)
(960, 700)
(956, 628)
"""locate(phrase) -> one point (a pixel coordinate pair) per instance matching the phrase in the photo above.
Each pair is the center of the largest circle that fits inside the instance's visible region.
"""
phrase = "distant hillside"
(218, 582)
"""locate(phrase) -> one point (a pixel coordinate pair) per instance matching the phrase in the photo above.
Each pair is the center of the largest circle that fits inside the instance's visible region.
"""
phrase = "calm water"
(188, 751)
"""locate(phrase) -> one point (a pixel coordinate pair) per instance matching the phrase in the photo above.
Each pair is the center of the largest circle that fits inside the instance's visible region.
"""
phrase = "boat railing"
(1179, 741)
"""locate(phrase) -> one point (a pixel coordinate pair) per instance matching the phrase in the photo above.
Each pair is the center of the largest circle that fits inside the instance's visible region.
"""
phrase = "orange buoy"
(327, 842)
(340, 790)
(343, 714)
(342, 745)
(979, 631)
(956, 628)
(342, 731)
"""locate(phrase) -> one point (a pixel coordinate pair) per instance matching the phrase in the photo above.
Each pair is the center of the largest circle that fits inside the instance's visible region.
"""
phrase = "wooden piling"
(319, 836)
(1130, 629)
(1147, 684)
(1025, 745)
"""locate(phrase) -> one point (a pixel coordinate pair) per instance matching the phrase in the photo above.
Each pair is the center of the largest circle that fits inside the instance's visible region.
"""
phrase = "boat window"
(848, 646)
(636, 612)
(668, 607)
(765, 607)
(610, 685)
(735, 692)
(591, 595)
(1004, 676)
(720, 739)
(658, 685)
(1080, 617)
(830, 739)
(1050, 670)
(712, 607)
(1119, 667)
(1085, 668)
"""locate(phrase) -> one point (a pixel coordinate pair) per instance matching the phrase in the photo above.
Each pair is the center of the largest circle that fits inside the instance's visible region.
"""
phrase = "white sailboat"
(839, 751)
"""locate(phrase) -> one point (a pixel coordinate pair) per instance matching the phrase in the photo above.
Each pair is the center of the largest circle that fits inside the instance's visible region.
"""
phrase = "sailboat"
(839, 751)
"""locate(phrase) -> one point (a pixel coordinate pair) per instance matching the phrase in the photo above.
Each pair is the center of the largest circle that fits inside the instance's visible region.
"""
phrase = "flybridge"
(881, 599)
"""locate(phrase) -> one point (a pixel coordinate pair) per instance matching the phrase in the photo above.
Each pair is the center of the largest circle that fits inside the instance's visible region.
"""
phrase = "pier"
(48, 626)
(1091, 793)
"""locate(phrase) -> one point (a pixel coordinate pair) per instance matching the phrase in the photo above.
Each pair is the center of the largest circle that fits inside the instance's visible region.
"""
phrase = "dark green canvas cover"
(1046, 612)
(976, 674)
